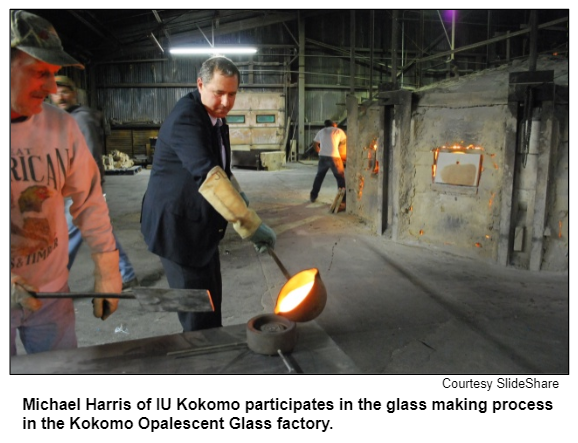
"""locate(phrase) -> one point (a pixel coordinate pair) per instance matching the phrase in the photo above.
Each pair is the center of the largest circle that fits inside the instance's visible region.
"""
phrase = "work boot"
(127, 285)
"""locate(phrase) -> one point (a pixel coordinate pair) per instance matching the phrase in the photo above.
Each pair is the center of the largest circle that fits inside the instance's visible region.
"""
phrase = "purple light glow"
(449, 14)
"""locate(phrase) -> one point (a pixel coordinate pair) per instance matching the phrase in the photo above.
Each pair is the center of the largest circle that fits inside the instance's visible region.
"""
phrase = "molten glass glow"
(295, 297)
(303, 297)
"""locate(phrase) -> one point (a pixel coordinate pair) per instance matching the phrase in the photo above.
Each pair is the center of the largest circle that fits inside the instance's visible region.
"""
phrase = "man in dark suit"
(192, 194)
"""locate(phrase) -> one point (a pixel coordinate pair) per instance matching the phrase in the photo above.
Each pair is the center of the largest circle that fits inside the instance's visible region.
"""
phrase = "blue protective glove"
(263, 238)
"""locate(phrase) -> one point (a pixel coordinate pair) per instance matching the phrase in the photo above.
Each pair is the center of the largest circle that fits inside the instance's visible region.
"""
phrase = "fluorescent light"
(213, 50)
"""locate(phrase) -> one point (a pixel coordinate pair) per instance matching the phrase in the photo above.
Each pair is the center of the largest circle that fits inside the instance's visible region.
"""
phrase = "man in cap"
(192, 193)
(49, 160)
(66, 98)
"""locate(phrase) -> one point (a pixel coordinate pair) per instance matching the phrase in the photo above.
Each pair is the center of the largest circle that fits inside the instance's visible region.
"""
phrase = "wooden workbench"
(211, 351)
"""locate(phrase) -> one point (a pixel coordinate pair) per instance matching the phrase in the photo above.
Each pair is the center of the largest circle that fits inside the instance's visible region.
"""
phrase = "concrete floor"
(392, 308)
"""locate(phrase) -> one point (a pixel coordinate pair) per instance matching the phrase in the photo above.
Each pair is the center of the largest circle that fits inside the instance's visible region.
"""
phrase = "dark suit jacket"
(176, 221)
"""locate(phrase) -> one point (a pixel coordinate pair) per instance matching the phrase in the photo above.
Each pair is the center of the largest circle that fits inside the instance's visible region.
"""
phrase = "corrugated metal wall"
(139, 105)
(127, 94)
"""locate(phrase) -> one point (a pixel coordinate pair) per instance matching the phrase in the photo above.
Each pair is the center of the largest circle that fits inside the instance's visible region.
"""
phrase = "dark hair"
(221, 64)
(328, 123)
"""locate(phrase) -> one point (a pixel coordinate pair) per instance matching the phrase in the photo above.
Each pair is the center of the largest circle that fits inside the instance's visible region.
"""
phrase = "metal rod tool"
(283, 269)
(151, 299)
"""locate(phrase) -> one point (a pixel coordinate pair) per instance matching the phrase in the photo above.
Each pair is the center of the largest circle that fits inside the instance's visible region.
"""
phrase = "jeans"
(326, 163)
(75, 240)
(50, 328)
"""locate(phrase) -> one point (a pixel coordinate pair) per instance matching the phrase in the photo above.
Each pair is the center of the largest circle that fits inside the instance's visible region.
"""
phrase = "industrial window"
(235, 119)
(266, 118)
(457, 165)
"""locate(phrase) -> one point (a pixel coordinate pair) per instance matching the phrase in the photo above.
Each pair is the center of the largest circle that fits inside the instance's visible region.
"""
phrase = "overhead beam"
(491, 40)
(229, 28)
(160, 21)
(111, 38)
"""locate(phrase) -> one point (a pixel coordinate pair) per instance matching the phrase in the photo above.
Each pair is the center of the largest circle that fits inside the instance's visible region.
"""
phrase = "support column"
(352, 56)
(397, 133)
(394, 32)
(542, 182)
(371, 50)
(301, 87)
(383, 150)
(542, 85)
(507, 188)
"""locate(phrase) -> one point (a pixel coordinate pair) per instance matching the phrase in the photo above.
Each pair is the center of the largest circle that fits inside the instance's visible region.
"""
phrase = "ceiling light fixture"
(222, 50)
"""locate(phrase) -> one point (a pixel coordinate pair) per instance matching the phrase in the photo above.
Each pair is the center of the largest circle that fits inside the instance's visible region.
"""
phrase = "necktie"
(218, 125)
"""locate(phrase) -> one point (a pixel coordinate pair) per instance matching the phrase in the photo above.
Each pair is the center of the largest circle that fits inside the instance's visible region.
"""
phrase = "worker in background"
(192, 193)
(49, 161)
(66, 98)
(330, 142)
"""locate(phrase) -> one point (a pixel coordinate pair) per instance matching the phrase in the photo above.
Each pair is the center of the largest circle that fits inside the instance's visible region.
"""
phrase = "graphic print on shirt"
(34, 180)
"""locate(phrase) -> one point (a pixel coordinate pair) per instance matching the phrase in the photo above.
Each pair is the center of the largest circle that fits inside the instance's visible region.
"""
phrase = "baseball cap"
(63, 80)
(37, 37)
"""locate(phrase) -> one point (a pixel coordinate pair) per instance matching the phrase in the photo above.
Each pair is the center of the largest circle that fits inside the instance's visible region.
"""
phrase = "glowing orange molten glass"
(296, 296)
(303, 297)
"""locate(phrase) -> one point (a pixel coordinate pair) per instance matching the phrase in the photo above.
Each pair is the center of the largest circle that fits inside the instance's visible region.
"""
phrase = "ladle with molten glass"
(303, 297)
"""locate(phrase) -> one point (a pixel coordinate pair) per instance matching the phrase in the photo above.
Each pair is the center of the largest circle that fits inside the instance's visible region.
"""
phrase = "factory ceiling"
(108, 34)
(105, 35)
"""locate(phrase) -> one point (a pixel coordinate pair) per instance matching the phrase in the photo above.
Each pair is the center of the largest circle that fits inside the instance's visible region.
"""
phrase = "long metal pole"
(278, 262)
